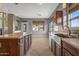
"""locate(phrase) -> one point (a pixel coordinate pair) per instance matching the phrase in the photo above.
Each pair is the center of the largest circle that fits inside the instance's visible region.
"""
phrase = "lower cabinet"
(66, 53)
(64, 49)
(69, 50)
(55, 48)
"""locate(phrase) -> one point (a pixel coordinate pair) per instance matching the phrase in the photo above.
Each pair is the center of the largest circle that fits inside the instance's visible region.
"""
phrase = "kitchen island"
(16, 44)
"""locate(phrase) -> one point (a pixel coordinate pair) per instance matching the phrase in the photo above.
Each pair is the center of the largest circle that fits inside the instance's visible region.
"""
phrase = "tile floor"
(39, 47)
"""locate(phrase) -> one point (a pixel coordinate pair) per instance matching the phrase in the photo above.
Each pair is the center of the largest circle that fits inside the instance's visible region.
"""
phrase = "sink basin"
(65, 36)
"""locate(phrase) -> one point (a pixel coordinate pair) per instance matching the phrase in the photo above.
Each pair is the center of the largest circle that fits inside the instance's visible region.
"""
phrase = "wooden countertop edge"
(71, 42)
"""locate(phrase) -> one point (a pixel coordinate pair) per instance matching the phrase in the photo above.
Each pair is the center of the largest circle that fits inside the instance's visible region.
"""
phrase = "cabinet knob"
(0, 44)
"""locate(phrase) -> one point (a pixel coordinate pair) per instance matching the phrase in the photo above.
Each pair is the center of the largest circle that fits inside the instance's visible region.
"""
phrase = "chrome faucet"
(68, 30)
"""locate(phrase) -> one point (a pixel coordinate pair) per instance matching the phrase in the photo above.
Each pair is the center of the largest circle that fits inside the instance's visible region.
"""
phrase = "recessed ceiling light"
(40, 3)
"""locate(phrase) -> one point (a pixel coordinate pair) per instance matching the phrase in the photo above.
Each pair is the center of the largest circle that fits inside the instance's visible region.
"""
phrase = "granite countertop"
(72, 41)
(14, 35)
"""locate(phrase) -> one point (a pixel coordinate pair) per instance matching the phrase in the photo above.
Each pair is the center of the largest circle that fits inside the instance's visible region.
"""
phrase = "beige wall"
(0, 7)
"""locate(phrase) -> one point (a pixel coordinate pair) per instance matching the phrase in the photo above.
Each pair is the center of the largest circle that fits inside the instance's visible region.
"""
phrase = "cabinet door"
(53, 46)
(66, 53)
(27, 43)
(59, 17)
(22, 46)
(30, 39)
(4, 48)
(58, 50)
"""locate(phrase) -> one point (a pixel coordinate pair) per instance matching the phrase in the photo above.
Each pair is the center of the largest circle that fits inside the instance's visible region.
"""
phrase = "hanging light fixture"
(41, 3)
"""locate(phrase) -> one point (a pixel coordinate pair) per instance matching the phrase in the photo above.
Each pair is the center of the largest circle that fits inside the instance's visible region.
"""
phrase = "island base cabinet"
(21, 44)
(15, 46)
(9, 47)
(4, 51)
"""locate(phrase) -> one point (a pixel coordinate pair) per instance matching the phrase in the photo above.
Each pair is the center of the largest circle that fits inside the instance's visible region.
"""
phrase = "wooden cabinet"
(66, 53)
(27, 44)
(59, 17)
(72, 6)
(9, 47)
(57, 50)
(30, 40)
(4, 48)
(53, 46)
(69, 50)
(10, 23)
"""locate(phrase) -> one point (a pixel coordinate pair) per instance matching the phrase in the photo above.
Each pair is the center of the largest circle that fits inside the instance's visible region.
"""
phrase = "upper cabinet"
(10, 23)
(14, 23)
(73, 6)
(59, 17)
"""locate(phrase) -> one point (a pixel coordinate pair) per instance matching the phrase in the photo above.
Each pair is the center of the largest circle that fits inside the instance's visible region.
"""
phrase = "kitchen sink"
(65, 36)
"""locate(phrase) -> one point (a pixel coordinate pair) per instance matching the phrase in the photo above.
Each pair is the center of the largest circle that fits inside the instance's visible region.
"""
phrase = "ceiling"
(30, 10)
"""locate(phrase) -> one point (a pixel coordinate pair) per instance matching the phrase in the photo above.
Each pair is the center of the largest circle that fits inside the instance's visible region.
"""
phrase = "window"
(75, 18)
(75, 23)
(75, 14)
(65, 20)
(38, 26)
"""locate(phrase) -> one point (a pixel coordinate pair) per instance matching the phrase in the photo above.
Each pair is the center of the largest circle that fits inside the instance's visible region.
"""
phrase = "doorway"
(24, 27)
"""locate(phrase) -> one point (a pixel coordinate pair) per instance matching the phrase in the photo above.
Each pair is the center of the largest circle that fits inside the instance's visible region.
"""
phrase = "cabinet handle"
(0, 44)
